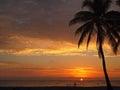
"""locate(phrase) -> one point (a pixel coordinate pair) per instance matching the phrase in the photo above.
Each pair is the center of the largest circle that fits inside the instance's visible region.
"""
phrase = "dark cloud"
(39, 16)
(41, 19)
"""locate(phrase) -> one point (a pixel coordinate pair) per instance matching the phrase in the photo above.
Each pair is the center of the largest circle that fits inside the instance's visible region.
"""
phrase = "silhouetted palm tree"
(99, 22)
(118, 23)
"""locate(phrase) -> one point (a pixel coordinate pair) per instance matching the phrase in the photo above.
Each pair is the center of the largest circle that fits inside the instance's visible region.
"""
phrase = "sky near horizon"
(36, 42)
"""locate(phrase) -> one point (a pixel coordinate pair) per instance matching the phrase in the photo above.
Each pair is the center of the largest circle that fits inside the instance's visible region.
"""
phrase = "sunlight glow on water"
(35, 83)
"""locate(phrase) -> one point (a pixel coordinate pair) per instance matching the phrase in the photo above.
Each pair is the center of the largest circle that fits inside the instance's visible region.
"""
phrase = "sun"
(81, 79)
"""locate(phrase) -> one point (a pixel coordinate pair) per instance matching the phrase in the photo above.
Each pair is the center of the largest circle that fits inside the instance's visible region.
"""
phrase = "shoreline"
(56, 88)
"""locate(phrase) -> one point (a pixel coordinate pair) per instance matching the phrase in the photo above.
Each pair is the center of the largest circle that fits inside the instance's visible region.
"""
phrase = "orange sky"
(36, 42)
(24, 70)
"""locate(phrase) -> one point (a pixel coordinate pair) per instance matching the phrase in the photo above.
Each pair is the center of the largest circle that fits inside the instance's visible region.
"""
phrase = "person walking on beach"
(75, 84)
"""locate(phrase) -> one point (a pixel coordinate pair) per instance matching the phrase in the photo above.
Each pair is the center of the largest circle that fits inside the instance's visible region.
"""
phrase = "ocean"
(45, 83)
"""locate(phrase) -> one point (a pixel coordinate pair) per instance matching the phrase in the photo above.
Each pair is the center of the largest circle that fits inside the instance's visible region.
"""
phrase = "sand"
(56, 88)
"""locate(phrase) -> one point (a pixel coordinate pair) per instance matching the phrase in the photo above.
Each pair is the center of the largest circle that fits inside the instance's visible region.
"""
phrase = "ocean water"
(42, 83)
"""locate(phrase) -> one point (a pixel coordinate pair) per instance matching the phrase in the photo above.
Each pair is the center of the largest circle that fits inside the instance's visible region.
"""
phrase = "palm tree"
(118, 2)
(99, 22)
(118, 23)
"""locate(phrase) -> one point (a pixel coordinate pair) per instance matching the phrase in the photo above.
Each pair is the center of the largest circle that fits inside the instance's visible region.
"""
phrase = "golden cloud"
(20, 45)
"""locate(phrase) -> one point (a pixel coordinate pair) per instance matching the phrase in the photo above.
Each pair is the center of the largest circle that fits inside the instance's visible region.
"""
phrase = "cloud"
(39, 27)
(22, 70)
(12, 65)
(37, 18)
(21, 45)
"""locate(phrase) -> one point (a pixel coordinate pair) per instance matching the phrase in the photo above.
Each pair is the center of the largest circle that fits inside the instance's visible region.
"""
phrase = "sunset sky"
(36, 42)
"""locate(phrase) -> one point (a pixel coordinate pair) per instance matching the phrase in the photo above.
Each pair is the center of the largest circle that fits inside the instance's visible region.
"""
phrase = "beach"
(56, 88)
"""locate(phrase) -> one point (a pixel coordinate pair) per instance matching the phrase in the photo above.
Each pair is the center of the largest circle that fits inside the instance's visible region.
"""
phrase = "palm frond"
(117, 29)
(85, 14)
(116, 47)
(111, 30)
(113, 18)
(118, 2)
(112, 36)
(112, 41)
(82, 16)
(107, 5)
(116, 34)
(112, 14)
(84, 33)
(90, 34)
(81, 28)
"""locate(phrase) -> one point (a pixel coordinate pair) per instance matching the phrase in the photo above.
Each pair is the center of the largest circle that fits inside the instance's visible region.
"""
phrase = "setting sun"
(81, 79)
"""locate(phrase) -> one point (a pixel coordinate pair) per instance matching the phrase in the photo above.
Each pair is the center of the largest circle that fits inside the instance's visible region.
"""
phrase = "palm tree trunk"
(109, 87)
